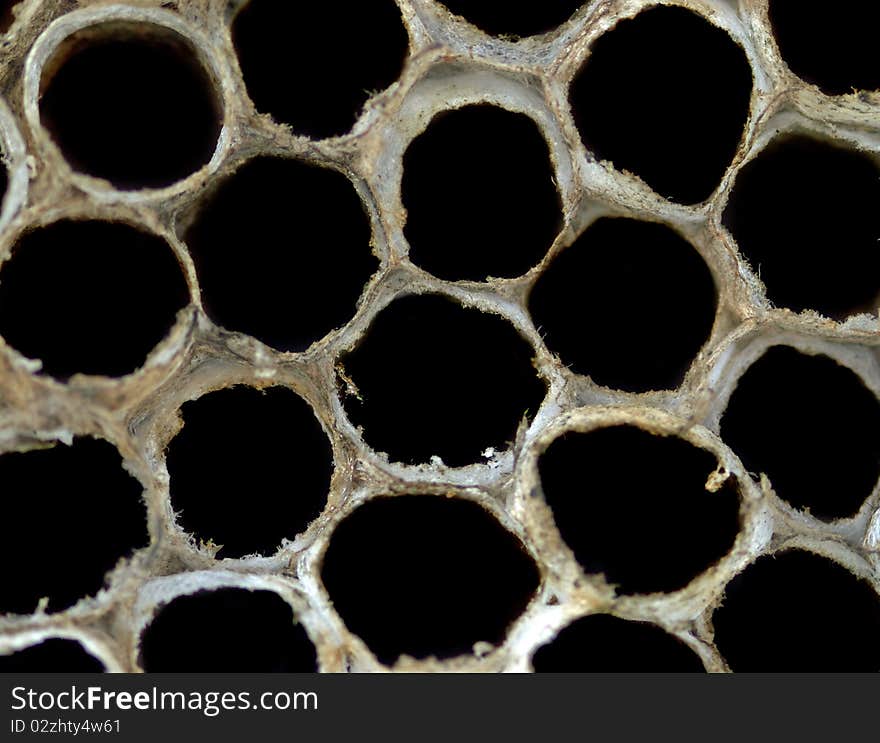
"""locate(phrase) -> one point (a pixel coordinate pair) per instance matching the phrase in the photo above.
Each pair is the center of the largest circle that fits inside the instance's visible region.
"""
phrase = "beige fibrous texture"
(451, 63)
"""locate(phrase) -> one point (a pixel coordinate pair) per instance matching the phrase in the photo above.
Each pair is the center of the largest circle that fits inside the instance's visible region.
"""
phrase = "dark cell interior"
(796, 612)
(131, 103)
(228, 630)
(833, 47)
(54, 655)
(313, 65)
(812, 426)
(665, 95)
(69, 514)
(439, 379)
(803, 214)
(507, 19)
(6, 16)
(249, 469)
(4, 180)
(634, 506)
(601, 643)
(629, 303)
(89, 297)
(479, 191)
(426, 575)
(282, 252)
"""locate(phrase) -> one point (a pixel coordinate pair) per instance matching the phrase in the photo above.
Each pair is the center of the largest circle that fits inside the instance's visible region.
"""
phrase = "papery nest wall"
(567, 331)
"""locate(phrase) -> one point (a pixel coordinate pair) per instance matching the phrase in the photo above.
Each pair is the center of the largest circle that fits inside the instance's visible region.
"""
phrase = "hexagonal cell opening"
(89, 297)
(513, 20)
(629, 304)
(330, 62)
(636, 507)
(249, 469)
(227, 630)
(478, 186)
(70, 514)
(426, 576)
(829, 262)
(665, 95)
(812, 426)
(797, 612)
(131, 103)
(282, 251)
(55, 655)
(600, 643)
(438, 379)
(848, 58)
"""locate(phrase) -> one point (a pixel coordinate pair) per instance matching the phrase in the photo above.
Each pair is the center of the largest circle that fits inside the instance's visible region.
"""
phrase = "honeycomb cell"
(479, 192)
(812, 426)
(69, 514)
(426, 576)
(665, 95)
(601, 643)
(131, 103)
(635, 506)
(282, 252)
(439, 379)
(55, 655)
(829, 262)
(249, 469)
(796, 612)
(228, 630)
(629, 303)
(848, 33)
(111, 295)
(313, 67)
(503, 18)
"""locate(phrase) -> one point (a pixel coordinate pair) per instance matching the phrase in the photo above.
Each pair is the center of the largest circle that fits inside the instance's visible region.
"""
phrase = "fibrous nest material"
(356, 339)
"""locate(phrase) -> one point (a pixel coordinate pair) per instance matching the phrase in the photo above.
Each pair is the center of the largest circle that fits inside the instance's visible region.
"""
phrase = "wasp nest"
(348, 338)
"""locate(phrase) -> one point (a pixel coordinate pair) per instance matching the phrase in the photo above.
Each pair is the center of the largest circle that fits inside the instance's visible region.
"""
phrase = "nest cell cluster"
(439, 336)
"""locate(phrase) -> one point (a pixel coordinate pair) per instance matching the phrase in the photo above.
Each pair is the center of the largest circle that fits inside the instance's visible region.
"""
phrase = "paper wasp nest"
(355, 338)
